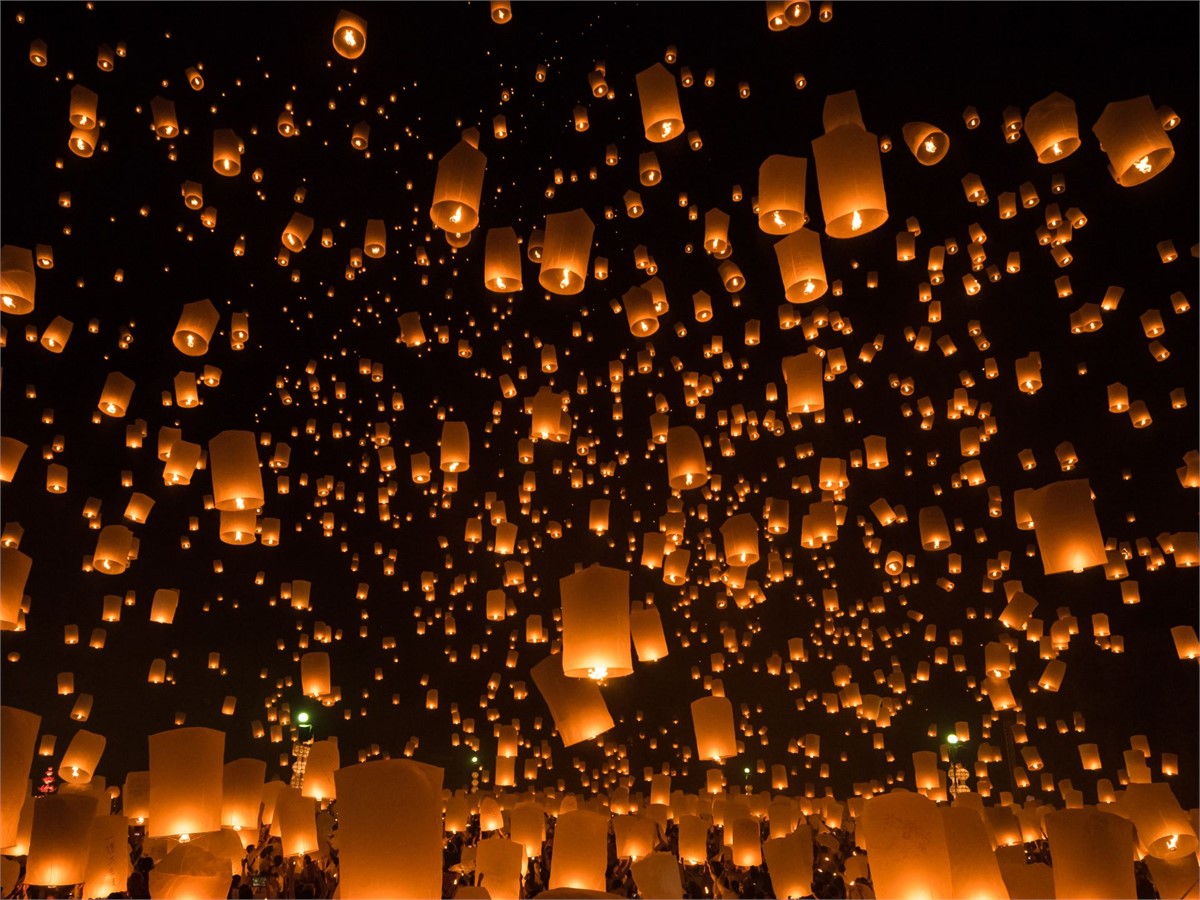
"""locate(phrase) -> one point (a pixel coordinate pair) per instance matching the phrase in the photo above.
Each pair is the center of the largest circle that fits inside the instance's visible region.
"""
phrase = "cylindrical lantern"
(804, 376)
(576, 704)
(79, 763)
(58, 843)
(18, 279)
(849, 174)
(639, 311)
(314, 674)
(227, 152)
(1163, 827)
(712, 718)
(928, 143)
(502, 261)
(740, 534)
(801, 267)
(935, 533)
(186, 781)
(457, 191)
(323, 762)
(197, 322)
(580, 851)
(686, 465)
(1068, 532)
(1093, 854)
(595, 613)
(649, 640)
(116, 395)
(18, 739)
(1053, 128)
(241, 797)
(781, 183)
(1132, 134)
(662, 117)
(905, 841)
(14, 572)
(114, 545)
(349, 35)
(568, 244)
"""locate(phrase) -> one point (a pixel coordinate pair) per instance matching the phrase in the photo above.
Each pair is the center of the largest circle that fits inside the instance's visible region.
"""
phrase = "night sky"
(430, 71)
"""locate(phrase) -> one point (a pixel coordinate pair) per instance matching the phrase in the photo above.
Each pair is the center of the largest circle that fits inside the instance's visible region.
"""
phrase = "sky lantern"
(928, 143)
(646, 628)
(227, 152)
(58, 844)
(580, 851)
(1132, 134)
(186, 781)
(236, 477)
(1093, 852)
(18, 279)
(576, 704)
(781, 186)
(1163, 826)
(712, 719)
(1068, 533)
(1053, 128)
(804, 376)
(241, 794)
(457, 191)
(197, 322)
(801, 267)
(456, 448)
(314, 674)
(568, 244)
(81, 758)
(849, 175)
(662, 117)
(502, 261)
(349, 35)
(905, 841)
(595, 610)
(14, 572)
(18, 740)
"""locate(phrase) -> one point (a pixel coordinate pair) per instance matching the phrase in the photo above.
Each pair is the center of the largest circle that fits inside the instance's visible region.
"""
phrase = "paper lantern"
(321, 769)
(14, 572)
(693, 840)
(781, 185)
(849, 175)
(108, 868)
(686, 465)
(241, 797)
(712, 719)
(227, 152)
(18, 280)
(576, 704)
(740, 534)
(646, 628)
(114, 545)
(382, 854)
(595, 612)
(11, 451)
(657, 875)
(349, 35)
(804, 376)
(458, 189)
(528, 827)
(580, 851)
(1068, 533)
(635, 836)
(502, 261)
(58, 843)
(189, 871)
(974, 871)
(79, 763)
(296, 822)
(18, 739)
(905, 841)
(1132, 134)
(789, 859)
(456, 447)
(314, 674)
(186, 781)
(935, 533)
(116, 395)
(194, 330)
(565, 253)
(744, 837)
(801, 267)
(928, 143)
(662, 117)
(639, 311)
(498, 865)
(236, 478)
(1093, 854)
(163, 606)
(1053, 128)
(1163, 827)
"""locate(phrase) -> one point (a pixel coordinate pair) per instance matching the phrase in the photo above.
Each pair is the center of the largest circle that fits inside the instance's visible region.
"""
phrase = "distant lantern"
(804, 376)
(801, 267)
(1053, 128)
(113, 549)
(227, 152)
(456, 447)
(565, 253)
(849, 174)
(116, 395)
(712, 719)
(1132, 134)
(349, 35)
(928, 143)
(458, 189)
(686, 465)
(781, 184)
(595, 612)
(18, 278)
(83, 107)
(295, 236)
(1068, 533)
(186, 782)
(314, 674)
(649, 640)
(375, 238)
(502, 261)
(662, 117)
(193, 331)
(576, 704)
(236, 477)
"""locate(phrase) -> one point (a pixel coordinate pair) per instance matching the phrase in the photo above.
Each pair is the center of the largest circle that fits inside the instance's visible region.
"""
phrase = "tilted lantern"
(1053, 128)
(1132, 134)
(928, 143)
(18, 278)
(197, 322)
(1068, 533)
(662, 116)
(801, 267)
(576, 704)
(349, 35)
(458, 189)
(686, 466)
(781, 184)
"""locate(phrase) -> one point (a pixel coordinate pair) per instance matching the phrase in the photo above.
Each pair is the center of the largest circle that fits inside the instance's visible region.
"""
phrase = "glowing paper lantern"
(18, 280)
(108, 865)
(18, 740)
(502, 261)
(321, 769)
(186, 781)
(14, 572)
(905, 841)
(645, 626)
(789, 859)
(194, 330)
(974, 871)
(58, 844)
(456, 447)
(781, 184)
(1053, 128)
(314, 674)
(79, 763)
(712, 719)
(1093, 854)
(662, 117)
(849, 175)
(498, 865)
(580, 851)
(1132, 134)
(657, 875)
(928, 143)
(804, 376)
(349, 35)
(1162, 825)
(382, 854)
(800, 266)
(1068, 533)
(236, 477)
(686, 465)
(595, 613)
(241, 796)
(740, 534)
(11, 451)
(565, 253)
(189, 871)
(116, 395)
(576, 704)
(457, 191)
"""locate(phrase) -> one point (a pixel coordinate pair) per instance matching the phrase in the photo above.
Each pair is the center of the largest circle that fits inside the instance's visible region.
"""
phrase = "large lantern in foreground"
(565, 252)
(187, 775)
(236, 477)
(1132, 134)
(580, 851)
(457, 191)
(18, 739)
(849, 174)
(1068, 533)
(712, 718)
(1053, 128)
(58, 844)
(595, 614)
(905, 840)
(1093, 854)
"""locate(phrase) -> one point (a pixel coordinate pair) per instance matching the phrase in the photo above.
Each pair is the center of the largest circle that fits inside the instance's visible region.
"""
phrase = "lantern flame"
(598, 673)
(566, 279)
(778, 219)
(457, 217)
(348, 38)
(500, 283)
(931, 147)
(1143, 165)
(666, 129)
(809, 287)
(1173, 842)
(856, 221)
(1057, 149)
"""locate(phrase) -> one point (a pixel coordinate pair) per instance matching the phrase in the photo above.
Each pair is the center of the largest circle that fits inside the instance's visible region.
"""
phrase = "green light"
(952, 739)
(474, 759)
(746, 770)
(302, 718)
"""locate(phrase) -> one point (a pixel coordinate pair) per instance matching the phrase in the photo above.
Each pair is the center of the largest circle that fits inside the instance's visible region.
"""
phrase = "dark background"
(429, 71)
